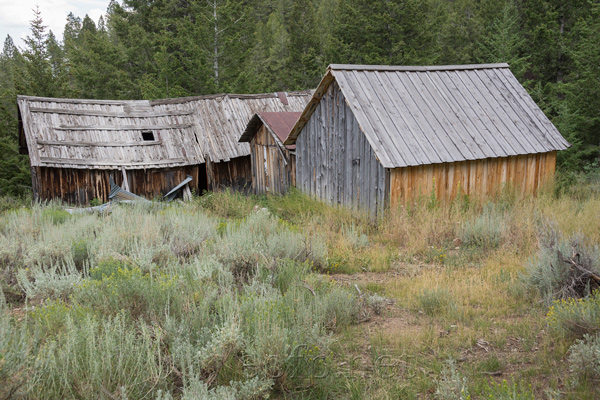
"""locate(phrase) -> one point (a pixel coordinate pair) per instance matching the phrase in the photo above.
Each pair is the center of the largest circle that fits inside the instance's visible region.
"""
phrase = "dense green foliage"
(166, 48)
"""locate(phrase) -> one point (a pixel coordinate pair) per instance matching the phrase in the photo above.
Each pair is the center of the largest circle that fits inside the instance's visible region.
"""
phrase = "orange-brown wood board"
(479, 178)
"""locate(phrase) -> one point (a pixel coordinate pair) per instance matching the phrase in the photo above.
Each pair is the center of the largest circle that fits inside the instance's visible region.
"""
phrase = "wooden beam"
(116, 114)
(93, 162)
(125, 181)
(99, 144)
(120, 127)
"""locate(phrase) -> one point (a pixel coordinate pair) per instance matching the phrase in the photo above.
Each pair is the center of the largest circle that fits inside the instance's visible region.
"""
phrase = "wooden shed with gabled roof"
(377, 136)
(273, 163)
(149, 147)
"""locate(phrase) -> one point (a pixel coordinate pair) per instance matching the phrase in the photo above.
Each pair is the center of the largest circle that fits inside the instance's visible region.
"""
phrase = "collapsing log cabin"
(149, 147)
(273, 164)
(378, 136)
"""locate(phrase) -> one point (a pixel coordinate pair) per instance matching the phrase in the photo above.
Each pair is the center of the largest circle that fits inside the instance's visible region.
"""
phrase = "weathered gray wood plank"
(385, 112)
(92, 162)
(357, 103)
(476, 104)
(464, 113)
(534, 112)
(101, 144)
(512, 131)
(114, 114)
(446, 117)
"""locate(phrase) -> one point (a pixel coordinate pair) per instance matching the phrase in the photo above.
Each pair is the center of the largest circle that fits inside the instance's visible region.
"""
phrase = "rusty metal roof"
(137, 134)
(424, 115)
(279, 123)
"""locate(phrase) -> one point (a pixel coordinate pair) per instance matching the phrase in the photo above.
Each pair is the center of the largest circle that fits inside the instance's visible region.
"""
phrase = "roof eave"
(251, 129)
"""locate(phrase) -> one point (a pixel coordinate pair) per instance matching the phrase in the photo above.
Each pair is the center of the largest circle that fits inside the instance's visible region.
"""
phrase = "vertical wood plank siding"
(270, 172)
(479, 178)
(235, 174)
(80, 186)
(335, 161)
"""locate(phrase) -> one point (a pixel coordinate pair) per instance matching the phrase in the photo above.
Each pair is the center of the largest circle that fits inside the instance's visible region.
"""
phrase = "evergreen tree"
(578, 117)
(461, 25)
(306, 61)
(37, 77)
(387, 32)
(14, 168)
(227, 38)
(96, 63)
(504, 41)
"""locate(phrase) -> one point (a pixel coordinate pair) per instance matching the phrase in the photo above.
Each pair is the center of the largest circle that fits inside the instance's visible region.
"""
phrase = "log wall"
(272, 167)
(479, 178)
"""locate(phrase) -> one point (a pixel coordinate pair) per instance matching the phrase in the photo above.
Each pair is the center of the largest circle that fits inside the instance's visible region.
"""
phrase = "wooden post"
(187, 194)
(36, 183)
(125, 184)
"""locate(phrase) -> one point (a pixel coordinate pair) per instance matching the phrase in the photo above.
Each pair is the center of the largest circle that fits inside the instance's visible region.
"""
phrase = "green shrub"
(355, 236)
(484, 230)
(436, 301)
(508, 391)
(584, 359)
(49, 282)
(451, 385)
(15, 355)
(9, 203)
(376, 302)
(81, 253)
(550, 272)
(285, 336)
(227, 203)
(56, 216)
(100, 356)
(260, 239)
(186, 230)
(437, 255)
(51, 317)
(206, 360)
(115, 285)
(288, 273)
(574, 318)
(252, 389)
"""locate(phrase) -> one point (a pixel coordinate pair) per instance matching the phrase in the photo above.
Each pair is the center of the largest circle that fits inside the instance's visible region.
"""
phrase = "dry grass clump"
(436, 301)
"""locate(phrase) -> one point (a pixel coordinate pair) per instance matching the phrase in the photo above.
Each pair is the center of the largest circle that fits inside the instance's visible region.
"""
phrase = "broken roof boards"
(109, 134)
(74, 145)
(366, 126)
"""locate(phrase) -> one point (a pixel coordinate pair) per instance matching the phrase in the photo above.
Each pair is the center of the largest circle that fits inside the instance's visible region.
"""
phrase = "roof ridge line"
(416, 68)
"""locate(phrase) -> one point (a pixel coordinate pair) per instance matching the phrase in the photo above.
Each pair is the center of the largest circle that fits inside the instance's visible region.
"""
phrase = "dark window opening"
(147, 136)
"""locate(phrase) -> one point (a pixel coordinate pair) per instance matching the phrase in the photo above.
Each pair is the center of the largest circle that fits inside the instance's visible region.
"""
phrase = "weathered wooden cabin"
(149, 147)
(374, 136)
(273, 163)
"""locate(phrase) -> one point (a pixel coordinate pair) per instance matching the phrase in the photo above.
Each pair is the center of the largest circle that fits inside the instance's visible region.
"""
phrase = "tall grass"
(228, 297)
(147, 302)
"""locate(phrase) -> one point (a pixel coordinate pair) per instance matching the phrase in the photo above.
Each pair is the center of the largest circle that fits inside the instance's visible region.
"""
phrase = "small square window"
(147, 136)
